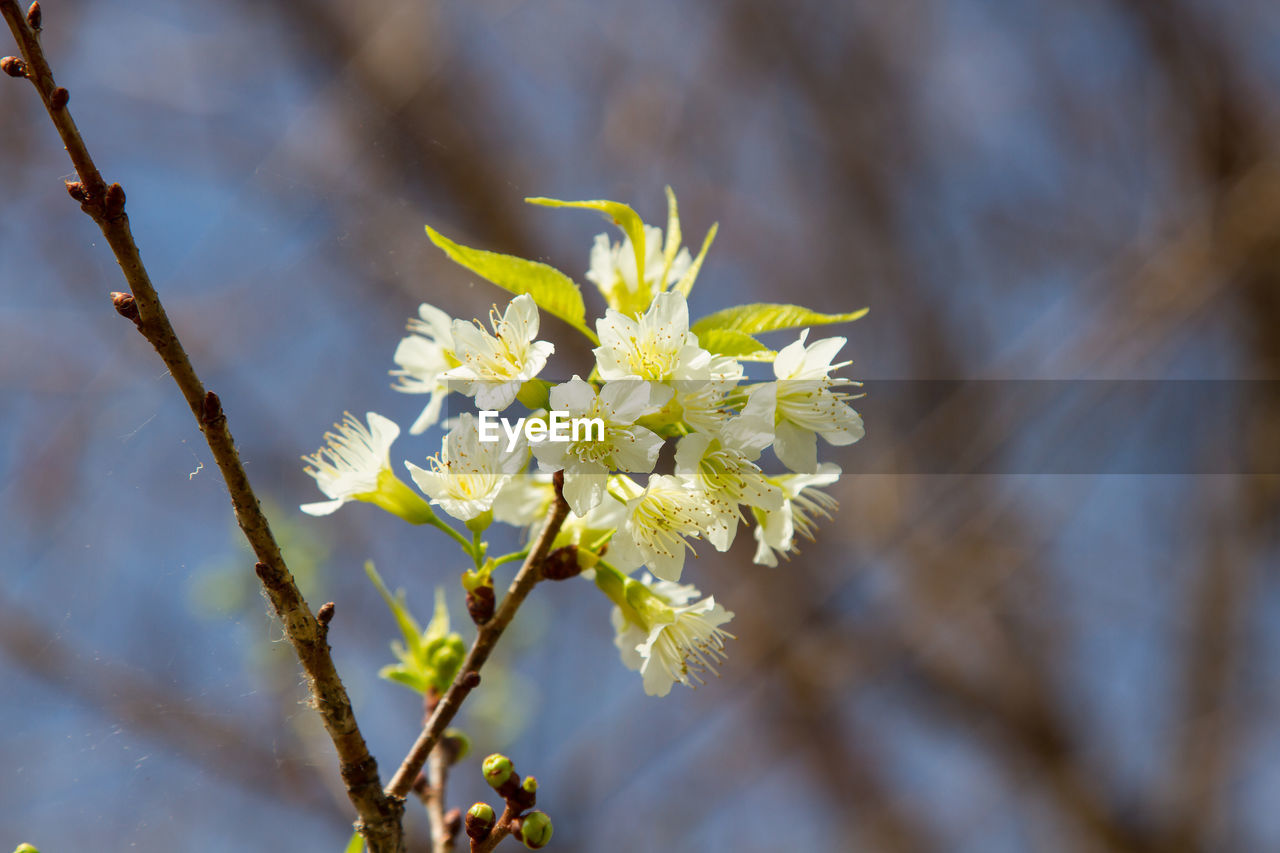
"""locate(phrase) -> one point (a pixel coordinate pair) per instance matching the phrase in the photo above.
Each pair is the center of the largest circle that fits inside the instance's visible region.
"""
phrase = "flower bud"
(446, 658)
(457, 743)
(13, 66)
(126, 306)
(481, 603)
(535, 830)
(325, 614)
(479, 821)
(561, 564)
(452, 823)
(114, 202)
(497, 770)
(526, 795)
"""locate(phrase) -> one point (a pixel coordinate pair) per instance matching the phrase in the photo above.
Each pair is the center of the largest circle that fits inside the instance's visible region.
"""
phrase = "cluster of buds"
(532, 828)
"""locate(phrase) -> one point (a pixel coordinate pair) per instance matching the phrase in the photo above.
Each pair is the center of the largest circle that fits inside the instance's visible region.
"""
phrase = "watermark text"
(557, 427)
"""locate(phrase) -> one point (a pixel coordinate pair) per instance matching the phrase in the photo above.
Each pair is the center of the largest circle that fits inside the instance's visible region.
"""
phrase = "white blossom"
(657, 345)
(523, 501)
(613, 270)
(625, 445)
(776, 529)
(723, 469)
(494, 366)
(803, 405)
(467, 475)
(421, 358)
(669, 634)
(355, 462)
(659, 521)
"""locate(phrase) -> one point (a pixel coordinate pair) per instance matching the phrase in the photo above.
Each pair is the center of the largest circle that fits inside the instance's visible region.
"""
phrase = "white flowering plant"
(578, 476)
(593, 503)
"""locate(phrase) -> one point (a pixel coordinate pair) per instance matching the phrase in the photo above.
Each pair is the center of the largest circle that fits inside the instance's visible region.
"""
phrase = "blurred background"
(985, 650)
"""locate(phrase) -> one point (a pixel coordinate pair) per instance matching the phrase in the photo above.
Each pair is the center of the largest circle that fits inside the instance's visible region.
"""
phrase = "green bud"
(497, 770)
(530, 785)
(26, 848)
(479, 821)
(446, 658)
(459, 744)
(535, 830)
(475, 578)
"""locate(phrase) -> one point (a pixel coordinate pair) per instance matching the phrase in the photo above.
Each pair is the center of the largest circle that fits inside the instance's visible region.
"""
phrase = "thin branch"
(433, 797)
(380, 816)
(486, 637)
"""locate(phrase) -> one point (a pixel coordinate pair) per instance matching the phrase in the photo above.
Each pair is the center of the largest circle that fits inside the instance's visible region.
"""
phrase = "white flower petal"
(796, 447)
(321, 508)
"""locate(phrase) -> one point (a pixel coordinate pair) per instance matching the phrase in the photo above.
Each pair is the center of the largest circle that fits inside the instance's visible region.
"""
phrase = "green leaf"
(767, 317)
(552, 290)
(399, 608)
(672, 246)
(438, 627)
(415, 681)
(685, 284)
(620, 214)
(733, 343)
(355, 845)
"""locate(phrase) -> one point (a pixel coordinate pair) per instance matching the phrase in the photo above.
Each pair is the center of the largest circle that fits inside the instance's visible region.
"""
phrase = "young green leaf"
(767, 317)
(401, 674)
(355, 845)
(399, 608)
(685, 284)
(733, 343)
(620, 214)
(552, 290)
(438, 627)
(672, 246)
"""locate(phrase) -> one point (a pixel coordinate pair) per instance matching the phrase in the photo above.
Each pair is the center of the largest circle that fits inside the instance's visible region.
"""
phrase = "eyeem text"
(557, 426)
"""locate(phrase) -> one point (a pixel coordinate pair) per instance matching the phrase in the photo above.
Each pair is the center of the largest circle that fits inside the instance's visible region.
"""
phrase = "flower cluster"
(657, 378)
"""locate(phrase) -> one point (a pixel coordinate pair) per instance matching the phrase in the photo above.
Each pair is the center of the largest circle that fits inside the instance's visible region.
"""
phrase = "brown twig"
(500, 830)
(380, 815)
(486, 637)
(431, 790)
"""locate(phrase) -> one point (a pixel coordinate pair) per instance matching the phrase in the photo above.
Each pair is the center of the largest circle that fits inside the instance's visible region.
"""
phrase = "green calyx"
(397, 498)
(480, 523)
(641, 606)
(473, 579)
